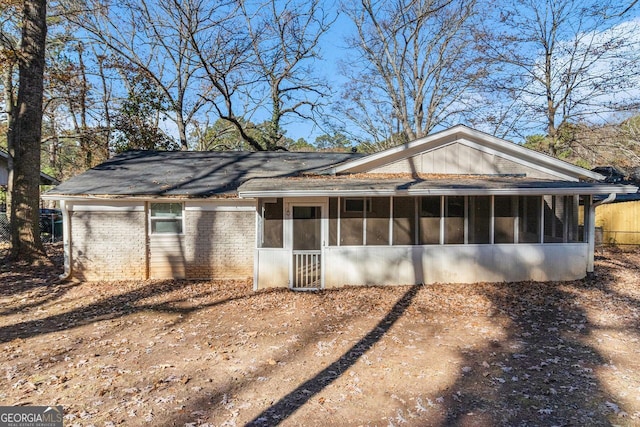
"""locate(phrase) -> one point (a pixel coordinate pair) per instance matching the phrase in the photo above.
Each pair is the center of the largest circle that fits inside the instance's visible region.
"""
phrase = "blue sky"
(333, 50)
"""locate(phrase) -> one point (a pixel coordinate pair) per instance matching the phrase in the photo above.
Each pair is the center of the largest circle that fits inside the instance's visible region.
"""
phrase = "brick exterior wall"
(108, 245)
(219, 244)
(113, 246)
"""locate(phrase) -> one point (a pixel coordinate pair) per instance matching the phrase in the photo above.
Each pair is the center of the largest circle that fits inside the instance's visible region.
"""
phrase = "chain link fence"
(50, 226)
(5, 234)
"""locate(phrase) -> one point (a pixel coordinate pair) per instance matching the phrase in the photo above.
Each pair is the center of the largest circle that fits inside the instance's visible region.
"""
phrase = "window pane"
(166, 218)
(479, 219)
(404, 220)
(166, 226)
(429, 221)
(356, 205)
(166, 209)
(454, 220)
(529, 219)
(378, 221)
(504, 219)
(272, 231)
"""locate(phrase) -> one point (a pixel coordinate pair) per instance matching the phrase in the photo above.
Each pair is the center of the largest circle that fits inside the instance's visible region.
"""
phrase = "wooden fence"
(620, 223)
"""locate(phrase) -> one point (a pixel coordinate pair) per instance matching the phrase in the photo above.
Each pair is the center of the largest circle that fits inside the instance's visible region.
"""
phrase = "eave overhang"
(346, 187)
(135, 197)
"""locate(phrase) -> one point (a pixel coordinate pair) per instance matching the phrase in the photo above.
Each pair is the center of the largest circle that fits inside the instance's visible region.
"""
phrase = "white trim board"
(208, 206)
(474, 139)
(105, 208)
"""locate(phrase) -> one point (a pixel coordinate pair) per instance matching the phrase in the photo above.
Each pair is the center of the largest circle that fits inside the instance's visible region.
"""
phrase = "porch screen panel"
(307, 234)
(378, 221)
(479, 219)
(429, 220)
(529, 219)
(583, 214)
(333, 221)
(404, 220)
(272, 229)
(573, 207)
(454, 220)
(352, 221)
(553, 219)
(504, 219)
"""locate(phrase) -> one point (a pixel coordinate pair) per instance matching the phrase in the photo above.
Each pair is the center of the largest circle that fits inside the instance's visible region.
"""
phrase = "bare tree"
(284, 41)
(25, 134)
(559, 62)
(415, 67)
(151, 35)
(258, 62)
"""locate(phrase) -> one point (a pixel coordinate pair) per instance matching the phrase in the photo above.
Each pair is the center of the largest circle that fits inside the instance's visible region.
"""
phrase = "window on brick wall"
(166, 218)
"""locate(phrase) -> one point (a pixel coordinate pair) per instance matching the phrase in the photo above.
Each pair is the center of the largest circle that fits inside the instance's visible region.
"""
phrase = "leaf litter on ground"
(217, 353)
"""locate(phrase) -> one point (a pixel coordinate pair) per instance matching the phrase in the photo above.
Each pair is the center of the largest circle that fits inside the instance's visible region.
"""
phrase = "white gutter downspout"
(66, 240)
(592, 229)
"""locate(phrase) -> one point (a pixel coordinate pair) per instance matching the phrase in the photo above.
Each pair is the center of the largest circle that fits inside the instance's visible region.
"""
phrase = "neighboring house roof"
(4, 173)
(472, 138)
(190, 173)
(437, 185)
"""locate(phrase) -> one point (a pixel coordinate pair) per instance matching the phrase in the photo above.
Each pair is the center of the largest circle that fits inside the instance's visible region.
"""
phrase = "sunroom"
(322, 232)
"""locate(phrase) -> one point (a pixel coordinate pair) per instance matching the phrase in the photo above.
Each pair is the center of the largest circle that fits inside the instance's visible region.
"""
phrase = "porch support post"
(592, 228)
(390, 242)
(492, 220)
(542, 205)
(66, 240)
(589, 224)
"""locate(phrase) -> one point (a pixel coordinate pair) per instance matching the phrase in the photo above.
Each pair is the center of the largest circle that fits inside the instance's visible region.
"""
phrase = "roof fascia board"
(539, 191)
(464, 133)
(132, 198)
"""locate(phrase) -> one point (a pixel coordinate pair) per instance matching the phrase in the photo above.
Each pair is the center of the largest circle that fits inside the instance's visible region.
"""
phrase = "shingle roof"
(369, 184)
(190, 173)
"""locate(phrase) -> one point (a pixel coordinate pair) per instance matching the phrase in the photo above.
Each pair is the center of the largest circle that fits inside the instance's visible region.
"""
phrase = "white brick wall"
(108, 245)
(113, 245)
(219, 244)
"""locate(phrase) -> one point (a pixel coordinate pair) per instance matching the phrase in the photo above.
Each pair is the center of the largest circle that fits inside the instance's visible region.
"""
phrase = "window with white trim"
(166, 218)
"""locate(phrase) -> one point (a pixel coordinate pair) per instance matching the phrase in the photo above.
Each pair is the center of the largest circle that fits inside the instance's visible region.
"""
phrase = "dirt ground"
(191, 353)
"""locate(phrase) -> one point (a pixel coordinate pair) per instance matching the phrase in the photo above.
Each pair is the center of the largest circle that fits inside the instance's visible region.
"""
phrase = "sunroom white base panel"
(401, 265)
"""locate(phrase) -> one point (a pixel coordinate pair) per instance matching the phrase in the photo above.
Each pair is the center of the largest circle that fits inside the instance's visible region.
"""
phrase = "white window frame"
(153, 219)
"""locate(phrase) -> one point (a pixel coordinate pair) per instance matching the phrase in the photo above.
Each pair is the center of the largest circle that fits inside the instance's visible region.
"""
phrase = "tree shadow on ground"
(543, 372)
(113, 307)
(27, 286)
(289, 404)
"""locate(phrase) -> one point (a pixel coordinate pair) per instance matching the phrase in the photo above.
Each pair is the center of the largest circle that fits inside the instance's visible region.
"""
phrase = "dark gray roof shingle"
(191, 173)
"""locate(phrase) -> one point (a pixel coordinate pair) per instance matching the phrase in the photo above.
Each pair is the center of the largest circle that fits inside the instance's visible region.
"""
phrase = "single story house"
(456, 206)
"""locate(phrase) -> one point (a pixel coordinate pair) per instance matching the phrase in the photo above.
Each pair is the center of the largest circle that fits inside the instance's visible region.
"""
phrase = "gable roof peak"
(465, 135)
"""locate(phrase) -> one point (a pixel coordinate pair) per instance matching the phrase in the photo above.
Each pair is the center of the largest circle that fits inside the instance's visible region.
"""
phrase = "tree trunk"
(9, 109)
(26, 134)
